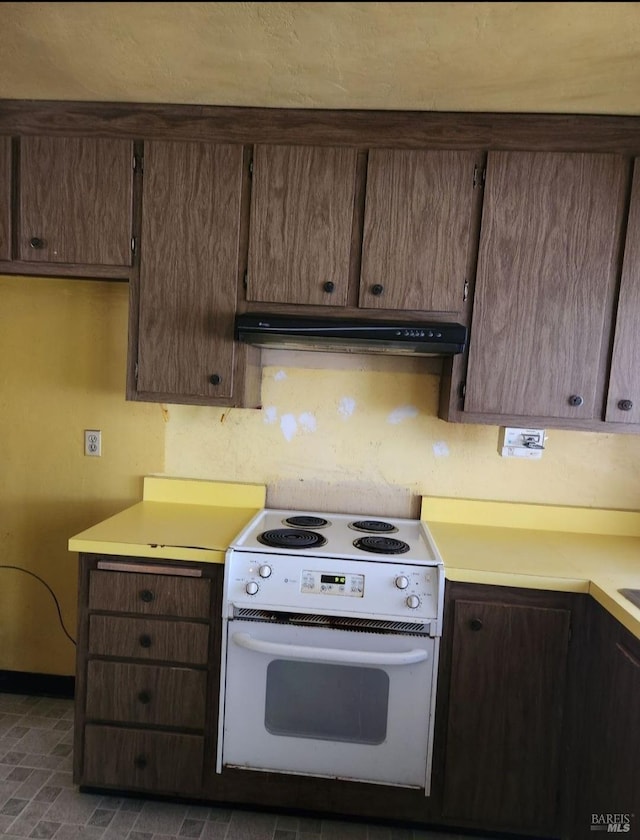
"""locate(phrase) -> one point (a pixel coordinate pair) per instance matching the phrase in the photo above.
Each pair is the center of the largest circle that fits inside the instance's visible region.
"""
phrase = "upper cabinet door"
(623, 401)
(416, 229)
(546, 277)
(5, 198)
(188, 268)
(75, 198)
(302, 207)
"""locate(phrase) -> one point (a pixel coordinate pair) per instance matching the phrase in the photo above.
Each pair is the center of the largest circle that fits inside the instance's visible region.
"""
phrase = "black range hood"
(351, 335)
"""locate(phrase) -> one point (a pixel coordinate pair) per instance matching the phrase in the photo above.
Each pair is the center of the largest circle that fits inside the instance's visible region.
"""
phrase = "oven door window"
(326, 702)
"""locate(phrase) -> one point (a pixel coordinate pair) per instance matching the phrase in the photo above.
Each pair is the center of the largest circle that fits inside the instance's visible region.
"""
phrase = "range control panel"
(327, 585)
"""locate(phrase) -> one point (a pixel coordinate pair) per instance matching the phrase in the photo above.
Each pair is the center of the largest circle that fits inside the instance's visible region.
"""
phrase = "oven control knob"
(264, 571)
(251, 588)
(413, 602)
(402, 582)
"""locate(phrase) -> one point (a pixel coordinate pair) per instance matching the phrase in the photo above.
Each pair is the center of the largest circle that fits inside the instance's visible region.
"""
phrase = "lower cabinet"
(147, 677)
(502, 701)
(608, 789)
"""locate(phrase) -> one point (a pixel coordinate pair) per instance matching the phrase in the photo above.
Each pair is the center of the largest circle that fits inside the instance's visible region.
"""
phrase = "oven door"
(329, 702)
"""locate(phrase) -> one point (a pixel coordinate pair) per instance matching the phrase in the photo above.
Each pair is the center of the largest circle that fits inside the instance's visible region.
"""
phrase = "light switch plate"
(521, 443)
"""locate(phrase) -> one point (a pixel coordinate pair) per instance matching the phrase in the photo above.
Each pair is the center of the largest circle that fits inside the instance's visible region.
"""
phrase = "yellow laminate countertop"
(539, 547)
(177, 519)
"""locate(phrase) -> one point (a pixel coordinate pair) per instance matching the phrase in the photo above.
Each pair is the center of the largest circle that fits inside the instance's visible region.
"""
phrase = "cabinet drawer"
(161, 762)
(143, 638)
(149, 594)
(150, 694)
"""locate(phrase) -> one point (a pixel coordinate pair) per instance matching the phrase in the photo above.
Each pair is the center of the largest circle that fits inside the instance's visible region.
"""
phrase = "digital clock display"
(339, 579)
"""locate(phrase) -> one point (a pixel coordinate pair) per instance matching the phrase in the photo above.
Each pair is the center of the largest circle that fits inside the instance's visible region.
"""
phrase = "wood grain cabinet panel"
(142, 638)
(623, 400)
(417, 223)
(547, 271)
(302, 206)
(504, 716)
(189, 269)
(146, 694)
(5, 198)
(133, 759)
(130, 592)
(75, 200)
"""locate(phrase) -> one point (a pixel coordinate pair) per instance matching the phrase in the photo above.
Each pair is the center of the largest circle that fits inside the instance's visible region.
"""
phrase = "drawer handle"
(146, 595)
(140, 762)
(144, 697)
(36, 243)
(145, 641)
(475, 624)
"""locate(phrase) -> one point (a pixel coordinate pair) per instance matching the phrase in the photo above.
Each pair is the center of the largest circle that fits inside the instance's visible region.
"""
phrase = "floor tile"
(160, 818)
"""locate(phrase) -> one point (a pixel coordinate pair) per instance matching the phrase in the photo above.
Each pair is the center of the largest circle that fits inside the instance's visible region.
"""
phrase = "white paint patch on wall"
(440, 449)
(279, 376)
(270, 414)
(399, 415)
(346, 406)
(308, 421)
(288, 426)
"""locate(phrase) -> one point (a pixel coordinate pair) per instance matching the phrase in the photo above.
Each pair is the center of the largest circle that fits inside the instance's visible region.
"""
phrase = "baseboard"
(40, 685)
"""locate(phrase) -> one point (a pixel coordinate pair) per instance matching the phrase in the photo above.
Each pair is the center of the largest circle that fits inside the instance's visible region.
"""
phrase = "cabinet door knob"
(146, 595)
(575, 400)
(329, 287)
(144, 697)
(140, 762)
(377, 290)
(475, 624)
(145, 641)
(214, 379)
(36, 243)
(625, 405)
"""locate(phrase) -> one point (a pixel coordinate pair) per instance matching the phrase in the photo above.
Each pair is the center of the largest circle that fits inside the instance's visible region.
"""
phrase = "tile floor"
(39, 800)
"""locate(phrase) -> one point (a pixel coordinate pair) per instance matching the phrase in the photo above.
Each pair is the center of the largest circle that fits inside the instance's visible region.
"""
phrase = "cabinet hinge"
(479, 175)
(138, 164)
(465, 292)
(462, 390)
(135, 372)
(133, 244)
(245, 280)
(251, 168)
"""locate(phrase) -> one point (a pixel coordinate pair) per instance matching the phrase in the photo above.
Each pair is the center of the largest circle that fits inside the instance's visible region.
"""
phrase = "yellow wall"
(62, 370)
(364, 437)
(326, 437)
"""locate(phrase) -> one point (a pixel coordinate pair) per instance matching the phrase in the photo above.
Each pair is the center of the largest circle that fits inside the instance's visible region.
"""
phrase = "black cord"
(51, 592)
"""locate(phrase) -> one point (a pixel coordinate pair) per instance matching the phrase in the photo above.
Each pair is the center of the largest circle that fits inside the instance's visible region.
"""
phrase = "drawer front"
(150, 694)
(143, 638)
(132, 592)
(161, 762)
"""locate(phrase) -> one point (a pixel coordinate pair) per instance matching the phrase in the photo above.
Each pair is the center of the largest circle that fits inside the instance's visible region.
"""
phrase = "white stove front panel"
(340, 537)
(326, 585)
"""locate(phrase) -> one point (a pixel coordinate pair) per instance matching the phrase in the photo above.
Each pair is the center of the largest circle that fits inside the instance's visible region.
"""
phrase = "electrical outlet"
(521, 443)
(93, 442)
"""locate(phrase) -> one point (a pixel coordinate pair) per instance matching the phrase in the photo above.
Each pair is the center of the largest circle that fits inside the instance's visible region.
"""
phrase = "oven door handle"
(355, 657)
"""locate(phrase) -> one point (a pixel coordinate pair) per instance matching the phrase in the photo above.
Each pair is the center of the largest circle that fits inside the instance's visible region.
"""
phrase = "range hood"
(351, 335)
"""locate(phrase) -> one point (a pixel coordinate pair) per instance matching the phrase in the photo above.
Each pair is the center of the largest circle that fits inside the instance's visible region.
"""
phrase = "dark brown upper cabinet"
(302, 208)
(623, 400)
(546, 281)
(5, 198)
(417, 222)
(75, 200)
(189, 253)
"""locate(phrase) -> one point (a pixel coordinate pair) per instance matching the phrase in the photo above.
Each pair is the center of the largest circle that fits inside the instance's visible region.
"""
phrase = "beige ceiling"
(553, 57)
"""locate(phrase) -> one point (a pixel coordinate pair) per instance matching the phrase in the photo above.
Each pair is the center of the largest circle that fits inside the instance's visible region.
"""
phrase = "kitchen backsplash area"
(362, 433)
